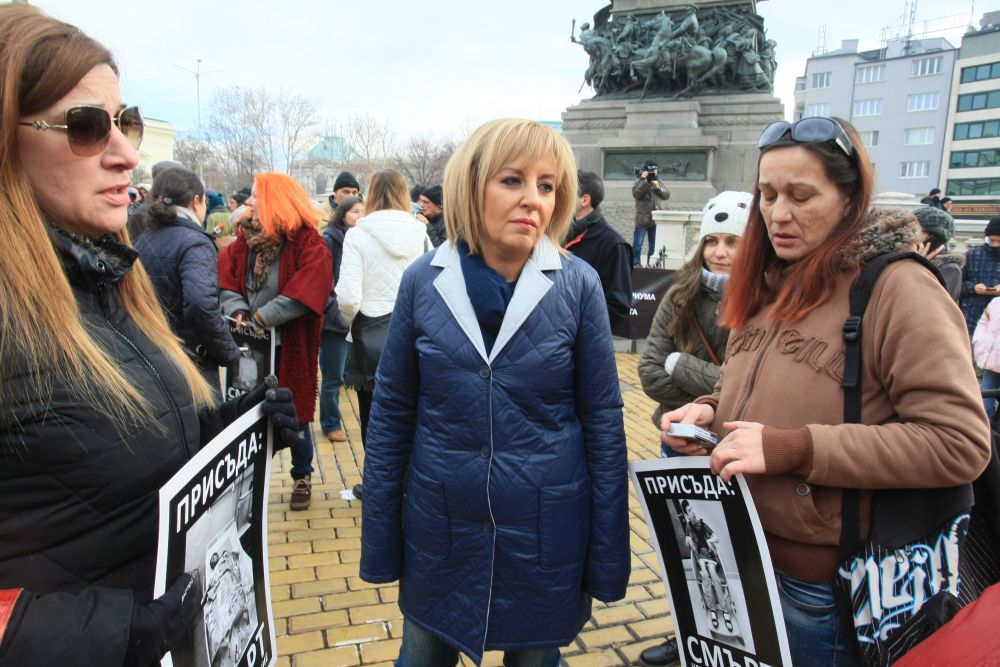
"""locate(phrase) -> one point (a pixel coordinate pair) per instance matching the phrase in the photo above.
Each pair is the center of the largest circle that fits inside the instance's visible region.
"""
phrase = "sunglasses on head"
(812, 130)
(88, 127)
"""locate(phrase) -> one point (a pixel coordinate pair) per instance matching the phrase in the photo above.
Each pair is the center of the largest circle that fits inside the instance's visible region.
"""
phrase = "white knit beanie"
(725, 213)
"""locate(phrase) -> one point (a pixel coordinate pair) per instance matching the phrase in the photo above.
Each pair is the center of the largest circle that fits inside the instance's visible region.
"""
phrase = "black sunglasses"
(812, 130)
(88, 127)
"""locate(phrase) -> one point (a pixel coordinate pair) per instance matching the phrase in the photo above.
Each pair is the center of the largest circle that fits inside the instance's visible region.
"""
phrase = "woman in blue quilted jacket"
(495, 470)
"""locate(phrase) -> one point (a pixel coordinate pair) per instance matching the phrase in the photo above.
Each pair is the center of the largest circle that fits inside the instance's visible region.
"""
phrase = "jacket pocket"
(426, 526)
(564, 523)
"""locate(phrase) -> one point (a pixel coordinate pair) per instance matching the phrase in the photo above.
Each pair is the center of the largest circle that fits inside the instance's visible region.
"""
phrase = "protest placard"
(213, 525)
(257, 360)
(714, 561)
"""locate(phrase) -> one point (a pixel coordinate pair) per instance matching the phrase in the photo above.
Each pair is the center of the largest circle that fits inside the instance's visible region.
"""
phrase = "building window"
(915, 169)
(821, 80)
(973, 101)
(869, 138)
(822, 109)
(867, 107)
(971, 159)
(983, 129)
(800, 85)
(980, 72)
(870, 74)
(918, 136)
(973, 186)
(927, 66)
(922, 102)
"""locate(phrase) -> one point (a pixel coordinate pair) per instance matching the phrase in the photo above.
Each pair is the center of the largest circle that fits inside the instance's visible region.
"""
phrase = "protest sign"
(213, 525)
(715, 563)
(257, 360)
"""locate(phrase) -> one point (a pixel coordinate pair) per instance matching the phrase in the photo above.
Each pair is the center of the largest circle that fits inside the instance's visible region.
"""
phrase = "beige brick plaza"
(325, 615)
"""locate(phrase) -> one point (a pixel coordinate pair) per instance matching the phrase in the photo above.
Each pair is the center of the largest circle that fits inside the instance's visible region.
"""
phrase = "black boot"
(662, 655)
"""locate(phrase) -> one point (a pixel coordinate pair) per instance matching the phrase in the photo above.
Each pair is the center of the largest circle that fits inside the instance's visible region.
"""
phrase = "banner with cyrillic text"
(715, 564)
(213, 525)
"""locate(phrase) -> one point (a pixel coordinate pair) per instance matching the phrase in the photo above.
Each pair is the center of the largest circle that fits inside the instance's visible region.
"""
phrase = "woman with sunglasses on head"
(99, 404)
(779, 402)
(495, 469)
(180, 257)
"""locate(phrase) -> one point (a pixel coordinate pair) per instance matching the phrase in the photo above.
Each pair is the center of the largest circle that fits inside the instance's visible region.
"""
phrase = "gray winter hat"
(936, 222)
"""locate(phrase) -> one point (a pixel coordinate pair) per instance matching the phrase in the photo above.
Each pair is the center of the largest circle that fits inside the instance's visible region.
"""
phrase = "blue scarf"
(489, 292)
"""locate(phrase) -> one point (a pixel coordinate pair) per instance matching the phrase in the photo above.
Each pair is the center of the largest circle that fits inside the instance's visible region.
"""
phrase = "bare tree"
(371, 141)
(422, 160)
(297, 116)
(232, 135)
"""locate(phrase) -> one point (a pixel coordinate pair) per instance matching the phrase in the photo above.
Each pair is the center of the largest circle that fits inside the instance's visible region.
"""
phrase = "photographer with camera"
(646, 191)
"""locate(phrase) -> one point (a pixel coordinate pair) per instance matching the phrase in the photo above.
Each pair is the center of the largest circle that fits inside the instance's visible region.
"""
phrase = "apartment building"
(896, 96)
(971, 157)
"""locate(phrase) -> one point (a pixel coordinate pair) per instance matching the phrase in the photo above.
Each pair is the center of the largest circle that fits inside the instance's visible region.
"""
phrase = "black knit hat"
(435, 194)
(346, 180)
(936, 222)
(992, 227)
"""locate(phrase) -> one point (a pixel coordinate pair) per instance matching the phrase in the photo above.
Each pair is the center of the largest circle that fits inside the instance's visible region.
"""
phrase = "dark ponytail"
(176, 186)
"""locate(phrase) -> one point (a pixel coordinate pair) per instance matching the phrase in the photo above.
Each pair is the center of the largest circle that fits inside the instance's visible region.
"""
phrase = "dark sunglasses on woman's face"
(812, 130)
(88, 127)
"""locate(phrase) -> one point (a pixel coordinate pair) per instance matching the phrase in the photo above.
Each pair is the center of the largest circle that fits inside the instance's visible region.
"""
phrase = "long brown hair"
(41, 328)
(683, 294)
(387, 191)
(809, 281)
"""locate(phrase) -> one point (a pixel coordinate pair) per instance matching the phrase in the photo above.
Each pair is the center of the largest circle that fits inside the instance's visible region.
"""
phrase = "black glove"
(278, 405)
(159, 625)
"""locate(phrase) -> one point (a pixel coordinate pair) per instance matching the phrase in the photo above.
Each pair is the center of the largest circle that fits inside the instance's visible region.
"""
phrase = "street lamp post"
(197, 82)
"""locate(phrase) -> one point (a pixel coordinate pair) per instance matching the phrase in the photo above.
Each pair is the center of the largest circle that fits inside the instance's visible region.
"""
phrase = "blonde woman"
(376, 252)
(496, 472)
(99, 404)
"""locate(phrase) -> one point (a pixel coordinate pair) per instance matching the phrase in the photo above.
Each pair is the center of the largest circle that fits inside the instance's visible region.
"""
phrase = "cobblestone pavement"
(325, 615)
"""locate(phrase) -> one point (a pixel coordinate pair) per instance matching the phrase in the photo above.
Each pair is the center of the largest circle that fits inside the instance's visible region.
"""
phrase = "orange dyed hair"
(283, 207)
(809, 282)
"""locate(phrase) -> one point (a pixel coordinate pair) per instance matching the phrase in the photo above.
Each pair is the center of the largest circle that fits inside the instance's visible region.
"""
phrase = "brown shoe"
(337, 436)
(301, 493)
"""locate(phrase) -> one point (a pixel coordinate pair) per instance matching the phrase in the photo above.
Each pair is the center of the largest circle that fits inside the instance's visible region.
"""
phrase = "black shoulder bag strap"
(861, 291)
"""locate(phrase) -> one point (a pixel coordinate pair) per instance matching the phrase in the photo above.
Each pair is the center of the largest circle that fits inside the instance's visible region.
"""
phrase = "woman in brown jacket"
(779, 401)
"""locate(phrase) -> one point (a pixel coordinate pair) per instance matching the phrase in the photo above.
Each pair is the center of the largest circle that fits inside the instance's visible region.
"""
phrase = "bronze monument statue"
(718, 49)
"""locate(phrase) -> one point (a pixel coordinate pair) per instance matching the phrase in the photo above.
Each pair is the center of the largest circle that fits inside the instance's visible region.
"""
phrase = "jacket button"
(485, 452)
(484, 372)
(487, 526)
(802, 489)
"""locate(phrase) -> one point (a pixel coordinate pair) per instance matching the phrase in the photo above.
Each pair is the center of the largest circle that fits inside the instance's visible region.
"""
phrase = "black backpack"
(904, 519)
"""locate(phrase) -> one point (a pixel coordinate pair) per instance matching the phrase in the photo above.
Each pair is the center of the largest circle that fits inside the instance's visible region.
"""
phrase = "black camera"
(650, 168)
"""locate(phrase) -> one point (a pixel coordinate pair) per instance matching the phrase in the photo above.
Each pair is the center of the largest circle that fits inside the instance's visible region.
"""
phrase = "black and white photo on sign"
(256, 361)
(213, 525)
(712, 574)
(720, 583)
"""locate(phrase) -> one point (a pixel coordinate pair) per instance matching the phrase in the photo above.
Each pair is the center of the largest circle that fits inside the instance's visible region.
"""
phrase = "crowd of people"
(473, 320)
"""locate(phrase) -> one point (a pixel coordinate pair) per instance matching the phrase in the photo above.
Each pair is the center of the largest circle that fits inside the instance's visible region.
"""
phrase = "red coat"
(304, 274)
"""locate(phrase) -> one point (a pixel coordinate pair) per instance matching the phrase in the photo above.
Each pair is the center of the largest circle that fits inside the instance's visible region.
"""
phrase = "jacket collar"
(104, 259)
(532, 285)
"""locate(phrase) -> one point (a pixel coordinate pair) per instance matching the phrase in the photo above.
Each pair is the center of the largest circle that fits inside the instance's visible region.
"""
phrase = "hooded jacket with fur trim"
(920, 428)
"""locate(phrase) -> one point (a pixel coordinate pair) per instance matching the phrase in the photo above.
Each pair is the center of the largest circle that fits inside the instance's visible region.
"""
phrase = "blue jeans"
(332, 363)
(638, 236)
(302, 452)
(991, 380)
(812, 621)
(422, 649)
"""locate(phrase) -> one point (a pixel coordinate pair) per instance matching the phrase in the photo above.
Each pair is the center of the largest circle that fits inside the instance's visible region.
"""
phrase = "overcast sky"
(435, 68)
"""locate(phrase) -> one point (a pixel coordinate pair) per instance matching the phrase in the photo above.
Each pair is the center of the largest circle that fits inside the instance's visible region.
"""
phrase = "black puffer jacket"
(78, 494)
(333, 237)
(180, 258)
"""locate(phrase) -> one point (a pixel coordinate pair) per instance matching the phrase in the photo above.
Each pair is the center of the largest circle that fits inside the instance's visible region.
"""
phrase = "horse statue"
(700, 64)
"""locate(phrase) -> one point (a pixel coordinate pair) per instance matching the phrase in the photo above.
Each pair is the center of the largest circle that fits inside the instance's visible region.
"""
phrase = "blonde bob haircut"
(42, 331)
(492, 146)
(387, 191)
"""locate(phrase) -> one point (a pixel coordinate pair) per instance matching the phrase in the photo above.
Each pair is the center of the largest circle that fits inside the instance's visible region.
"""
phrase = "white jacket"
(376, 252)
(986, 339)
